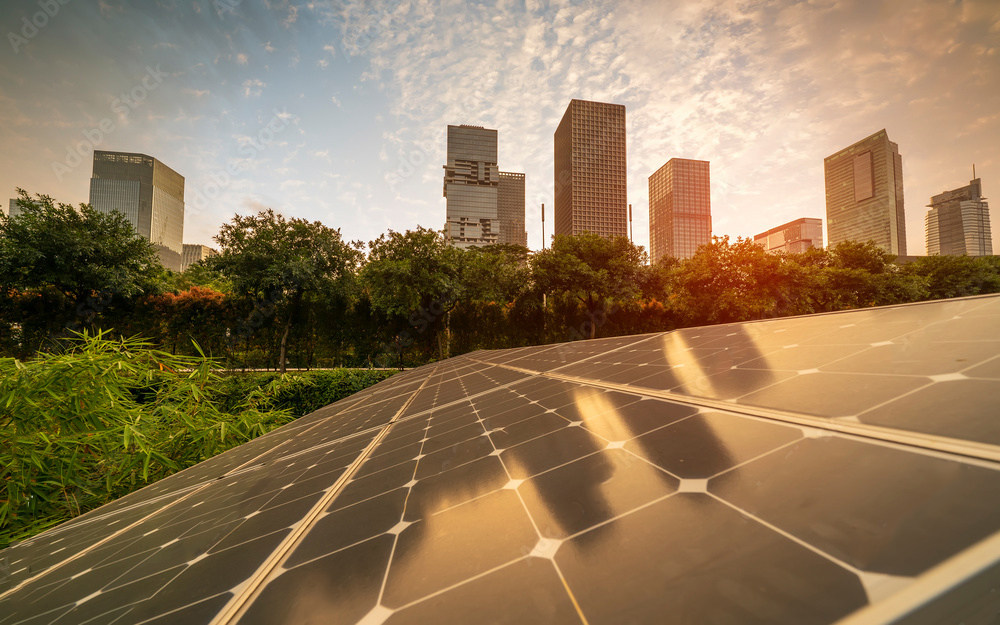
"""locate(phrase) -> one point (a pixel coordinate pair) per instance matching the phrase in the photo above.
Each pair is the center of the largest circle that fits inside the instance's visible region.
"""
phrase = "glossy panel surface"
(784, 471)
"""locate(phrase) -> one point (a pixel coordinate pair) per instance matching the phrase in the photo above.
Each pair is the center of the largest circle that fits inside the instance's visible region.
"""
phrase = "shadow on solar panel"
(838, 468)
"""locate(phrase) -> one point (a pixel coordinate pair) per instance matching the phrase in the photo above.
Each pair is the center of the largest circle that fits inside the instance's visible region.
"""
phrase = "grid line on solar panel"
(971, 449)
(317, 557)
(278, 453)
(239, 601)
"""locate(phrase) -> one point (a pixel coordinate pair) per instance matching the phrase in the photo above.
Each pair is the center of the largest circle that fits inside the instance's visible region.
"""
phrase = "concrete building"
(148, 193)
(510, 209)
(471, 182)
(794, 237)
(864, 194)
(590, 170)
(195, 253)
(680, 209)
(958, 222)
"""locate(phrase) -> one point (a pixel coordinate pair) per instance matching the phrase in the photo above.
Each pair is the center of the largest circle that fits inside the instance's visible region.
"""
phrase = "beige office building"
(510, 209)
(958, 222)
(864, 194)
(195, 253)
(794, 237)
(590, 170)
(680, 209)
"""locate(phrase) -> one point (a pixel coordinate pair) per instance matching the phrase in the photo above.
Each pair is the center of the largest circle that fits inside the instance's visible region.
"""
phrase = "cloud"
(335, 101)
(242, 59)
(198, 93)
(253, 87)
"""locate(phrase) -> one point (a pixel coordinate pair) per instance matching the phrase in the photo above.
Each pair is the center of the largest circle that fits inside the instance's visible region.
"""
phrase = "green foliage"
(591, 269)
(299, 393)
(957, 276)
(407, 272)
(76, 251)
(84, 426)
(284, 261)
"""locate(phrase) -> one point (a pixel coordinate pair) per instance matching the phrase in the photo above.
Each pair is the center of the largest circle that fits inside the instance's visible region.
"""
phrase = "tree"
(592, 270)
(269, 258)
(78, 260)
(726, 282)
(956, 276)
(413, 279)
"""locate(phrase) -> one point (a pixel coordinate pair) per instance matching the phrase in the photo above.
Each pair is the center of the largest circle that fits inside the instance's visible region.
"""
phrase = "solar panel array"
(832, 468)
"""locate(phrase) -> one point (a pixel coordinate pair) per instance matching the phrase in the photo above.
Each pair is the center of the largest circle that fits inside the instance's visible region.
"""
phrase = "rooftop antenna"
(543, 226)
(973, 171)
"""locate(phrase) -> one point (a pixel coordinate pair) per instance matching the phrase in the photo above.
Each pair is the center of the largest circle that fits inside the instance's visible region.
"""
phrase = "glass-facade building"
(148, 193)
(864, 194)
(590, 170)
(510, 209)
(680, 209)
(794, 237)
(13, 208)
(958, 222)
(471, 181)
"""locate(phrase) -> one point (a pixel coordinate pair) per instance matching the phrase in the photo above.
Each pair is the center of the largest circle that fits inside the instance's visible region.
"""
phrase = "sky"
(337, 111)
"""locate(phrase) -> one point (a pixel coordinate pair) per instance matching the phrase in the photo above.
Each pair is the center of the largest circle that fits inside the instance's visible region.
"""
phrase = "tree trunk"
(284, 346)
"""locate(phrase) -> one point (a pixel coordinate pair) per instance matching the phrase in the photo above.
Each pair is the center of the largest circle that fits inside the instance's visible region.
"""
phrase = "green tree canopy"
(268, 257)
(413, 271)
(591, 269)
(77, 251)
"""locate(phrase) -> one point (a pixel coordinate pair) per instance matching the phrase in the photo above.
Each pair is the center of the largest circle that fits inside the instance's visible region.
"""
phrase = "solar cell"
(832, 468)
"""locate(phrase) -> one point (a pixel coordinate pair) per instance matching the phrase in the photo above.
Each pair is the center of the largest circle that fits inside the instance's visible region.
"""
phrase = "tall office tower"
(471, 180)
(680, 209)
(590, 174)
(510, 209)
(13, 208)
(958, 222)
(148, 193)
(195, 253)
(794, 237)
(864, 194)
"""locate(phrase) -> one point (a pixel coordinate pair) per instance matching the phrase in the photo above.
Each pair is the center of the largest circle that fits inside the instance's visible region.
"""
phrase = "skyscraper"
(471, 181)
(680, 209)
(794, 237)
(864, 194)
(510, 209)
(590, 172)
(958, 222)
(148, 193)
(13, 208)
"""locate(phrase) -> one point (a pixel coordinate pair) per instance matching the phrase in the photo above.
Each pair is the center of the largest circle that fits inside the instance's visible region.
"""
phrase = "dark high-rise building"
(510, 209)
(958, 222)
(590, 171)
(864, 194)
(13, 207)
(148, 193)
(195, 253)
(680, 209)
(794, 237)
(471, 181)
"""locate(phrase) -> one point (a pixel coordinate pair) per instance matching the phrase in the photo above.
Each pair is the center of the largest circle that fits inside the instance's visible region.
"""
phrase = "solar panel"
(836, 468)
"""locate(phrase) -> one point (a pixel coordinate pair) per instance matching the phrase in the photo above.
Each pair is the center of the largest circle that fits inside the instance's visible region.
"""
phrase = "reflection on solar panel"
(833, 468)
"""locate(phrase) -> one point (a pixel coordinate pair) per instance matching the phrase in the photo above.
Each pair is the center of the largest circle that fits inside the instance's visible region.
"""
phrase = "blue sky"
(337, 111)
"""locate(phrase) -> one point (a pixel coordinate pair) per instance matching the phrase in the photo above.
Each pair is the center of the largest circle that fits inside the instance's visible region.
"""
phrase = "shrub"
(105, 417)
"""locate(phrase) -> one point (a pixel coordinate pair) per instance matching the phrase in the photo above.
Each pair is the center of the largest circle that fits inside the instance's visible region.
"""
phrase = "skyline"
(338, 112)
